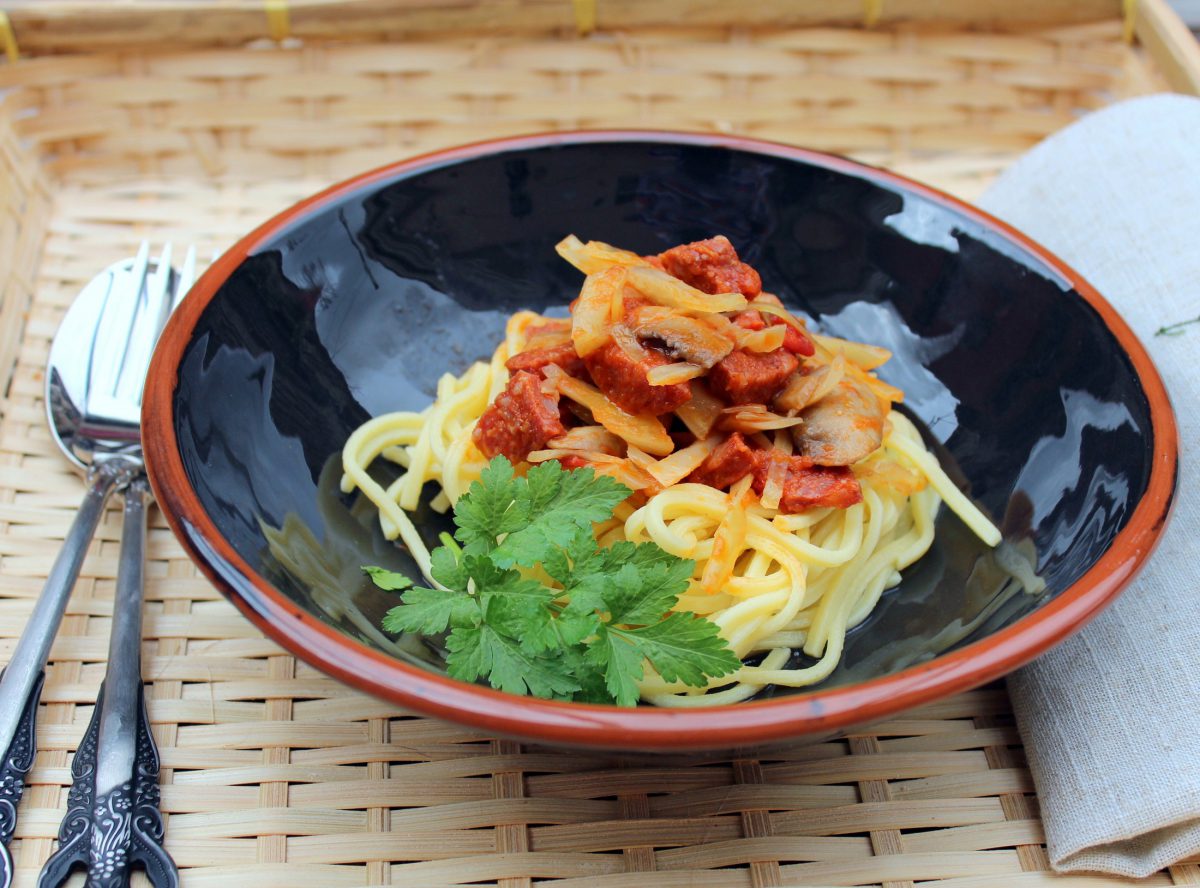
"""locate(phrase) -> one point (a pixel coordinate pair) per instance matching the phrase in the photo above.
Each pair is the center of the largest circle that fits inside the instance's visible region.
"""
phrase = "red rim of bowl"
(646, 728)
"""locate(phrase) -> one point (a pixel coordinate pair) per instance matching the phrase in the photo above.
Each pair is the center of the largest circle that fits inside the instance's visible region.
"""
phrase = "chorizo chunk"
(521, 419)
(797, 343)
(732, 461)
(712, 266)
(623, 381)
(752, 378)
(810, 487)
(534, 360)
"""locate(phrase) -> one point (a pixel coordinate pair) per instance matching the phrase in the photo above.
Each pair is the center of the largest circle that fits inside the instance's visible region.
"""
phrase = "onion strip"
(728, 541)
(701, 413)
(765, 340)
(641, 430)
(663, 289)
(670, 374)
(590, 329)
(674, 468)
(595, 256)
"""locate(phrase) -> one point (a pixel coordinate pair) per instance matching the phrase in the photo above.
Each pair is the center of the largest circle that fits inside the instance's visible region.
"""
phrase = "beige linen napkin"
(1111, 717)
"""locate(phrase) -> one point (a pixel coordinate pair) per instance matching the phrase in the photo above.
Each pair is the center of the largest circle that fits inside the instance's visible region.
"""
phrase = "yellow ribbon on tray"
(8, 38)
(585, 15)
(279, 20)
(1129, 11)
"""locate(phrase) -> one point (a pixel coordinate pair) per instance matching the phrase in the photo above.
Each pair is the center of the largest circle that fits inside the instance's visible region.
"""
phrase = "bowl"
(1030, 388)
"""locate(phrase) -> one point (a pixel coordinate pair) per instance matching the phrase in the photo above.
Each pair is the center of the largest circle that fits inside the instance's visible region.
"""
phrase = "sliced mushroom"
(803, 389)
(687, 339)
(843, 427)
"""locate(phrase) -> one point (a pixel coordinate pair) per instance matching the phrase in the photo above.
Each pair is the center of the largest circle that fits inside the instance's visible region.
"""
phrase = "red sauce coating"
(712, 266)
(806, 486)
(750, 377)
(794, 341)
(797, 343)
(809, 487)
(521, 419)
(732, 461)
(750, 319)
(623, 380)
(535, 359)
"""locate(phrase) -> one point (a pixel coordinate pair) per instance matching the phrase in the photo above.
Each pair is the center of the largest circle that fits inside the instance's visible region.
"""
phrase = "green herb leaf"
(446, 567)
(683, 647)
(555, 503)
(533, 604)
(650, 590)
(489, 508)
(482, 651)
(430, 611)
(385, 579)
(621, 664)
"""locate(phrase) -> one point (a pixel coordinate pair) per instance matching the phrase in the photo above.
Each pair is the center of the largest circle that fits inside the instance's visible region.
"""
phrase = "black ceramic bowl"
(1034, 393)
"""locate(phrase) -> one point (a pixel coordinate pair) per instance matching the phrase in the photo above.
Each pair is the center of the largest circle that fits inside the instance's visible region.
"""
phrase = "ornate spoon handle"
(113, 821)
(21, 680)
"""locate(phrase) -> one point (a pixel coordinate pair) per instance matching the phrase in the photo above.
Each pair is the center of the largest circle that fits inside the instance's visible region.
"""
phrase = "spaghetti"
(788, 557)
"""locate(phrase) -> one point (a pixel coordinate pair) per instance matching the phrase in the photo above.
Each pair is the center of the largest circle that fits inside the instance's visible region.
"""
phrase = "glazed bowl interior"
(1033, 394)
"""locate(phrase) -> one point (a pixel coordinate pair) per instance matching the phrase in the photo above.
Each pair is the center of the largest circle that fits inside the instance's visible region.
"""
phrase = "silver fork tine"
(141, 263)
(187, 277)
(164, 271)
(141, 274)
(115, 324)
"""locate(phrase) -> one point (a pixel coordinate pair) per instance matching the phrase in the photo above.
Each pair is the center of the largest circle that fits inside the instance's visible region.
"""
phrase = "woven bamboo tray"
(277, 776)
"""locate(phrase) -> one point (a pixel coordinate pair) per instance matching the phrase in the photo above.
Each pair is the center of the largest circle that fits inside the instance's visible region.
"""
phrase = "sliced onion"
(886, 393)
(663, 289)
(616, 304)
(670, 374)
(590, 329)
(780, 312)
(759, 440)
(803, 389)
(595, 256)
(642, 430)
(628, 343)
(700, 413)
(890, 474)
(649, 314)
(627, 473)
(755, 418)
(777, 469)
(589, 437)
(728, 542)
(547, 333)
(674, 468)
(641, 459)
(765, 340)
(591, 456)
(868, 357)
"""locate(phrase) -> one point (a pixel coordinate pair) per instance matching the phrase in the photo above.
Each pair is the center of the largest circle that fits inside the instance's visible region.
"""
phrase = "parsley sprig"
(535, 606)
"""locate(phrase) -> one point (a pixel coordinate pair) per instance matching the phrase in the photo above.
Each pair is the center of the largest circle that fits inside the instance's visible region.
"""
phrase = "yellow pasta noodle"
(800, 581)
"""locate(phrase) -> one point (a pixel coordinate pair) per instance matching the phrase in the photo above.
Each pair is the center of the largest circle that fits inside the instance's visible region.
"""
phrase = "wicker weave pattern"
(897, 97)
(277, 776)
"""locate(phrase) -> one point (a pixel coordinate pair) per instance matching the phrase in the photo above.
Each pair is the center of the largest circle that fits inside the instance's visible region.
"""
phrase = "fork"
(94, 388)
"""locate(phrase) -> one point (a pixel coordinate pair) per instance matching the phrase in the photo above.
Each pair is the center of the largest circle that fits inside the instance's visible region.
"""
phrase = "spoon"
(97, 365)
